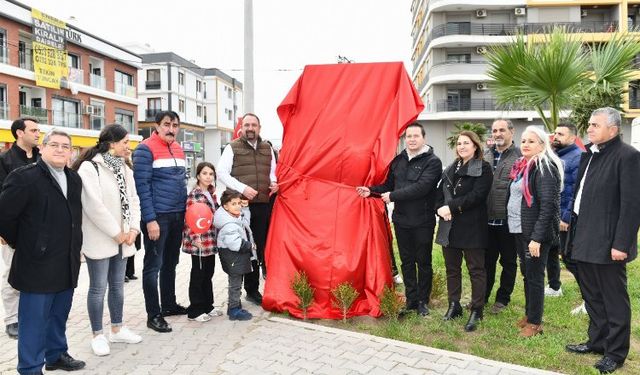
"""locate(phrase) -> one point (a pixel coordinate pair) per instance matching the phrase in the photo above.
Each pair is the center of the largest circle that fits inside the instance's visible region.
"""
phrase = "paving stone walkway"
(265, 345)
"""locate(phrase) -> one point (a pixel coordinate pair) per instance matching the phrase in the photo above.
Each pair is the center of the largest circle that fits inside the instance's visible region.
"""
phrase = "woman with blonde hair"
(533, 215)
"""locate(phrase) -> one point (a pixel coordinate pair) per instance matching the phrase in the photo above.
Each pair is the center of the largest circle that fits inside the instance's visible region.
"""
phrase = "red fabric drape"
(341, 128)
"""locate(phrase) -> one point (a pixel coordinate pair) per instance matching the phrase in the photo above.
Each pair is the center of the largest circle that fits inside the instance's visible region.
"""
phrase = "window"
(198, 86)
(153, 79)
(4, 54)
(204, 86)
(459, 58)
(124, 118)
(123, 84)
(73, 61)
(229, 92)
(181, 79)
(4, 108)
(229, 114)
(205, 113)
(97, 116)
(154, 106)
(459, 99)
(181, 105)
(199, 111)
(66, 112)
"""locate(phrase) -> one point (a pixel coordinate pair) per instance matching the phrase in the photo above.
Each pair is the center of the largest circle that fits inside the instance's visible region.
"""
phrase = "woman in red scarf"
(533, 215)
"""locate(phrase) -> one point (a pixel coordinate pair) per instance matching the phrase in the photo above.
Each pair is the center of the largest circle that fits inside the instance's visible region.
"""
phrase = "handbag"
(444, 227)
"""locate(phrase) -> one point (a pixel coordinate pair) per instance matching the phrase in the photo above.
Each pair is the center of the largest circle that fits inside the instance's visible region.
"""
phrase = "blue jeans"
(160, 261)
(42, 324)
(103, 272)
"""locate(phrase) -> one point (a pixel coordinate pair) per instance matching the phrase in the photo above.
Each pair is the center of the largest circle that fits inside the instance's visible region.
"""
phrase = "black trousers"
(553, 268)
(532, 269)
(572, 265)
(415, 246)
(201, 285)
(131, 271)
(475, 264)
(501, 245)
(260, 215)
(604, 289)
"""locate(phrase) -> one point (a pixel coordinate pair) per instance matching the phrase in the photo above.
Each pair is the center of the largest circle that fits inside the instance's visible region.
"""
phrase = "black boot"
(454, 311)
(474, 319)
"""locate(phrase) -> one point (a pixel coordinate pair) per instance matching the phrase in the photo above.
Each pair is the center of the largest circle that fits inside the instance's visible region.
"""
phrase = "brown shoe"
(530, 330)
(497, 308)
(522, 322)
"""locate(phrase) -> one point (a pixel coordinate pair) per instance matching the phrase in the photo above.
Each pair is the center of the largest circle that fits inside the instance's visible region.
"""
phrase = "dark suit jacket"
(609, 212)
(44, 227)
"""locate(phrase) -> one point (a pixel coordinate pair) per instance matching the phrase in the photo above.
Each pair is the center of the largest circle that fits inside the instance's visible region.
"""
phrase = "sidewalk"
(265, 345)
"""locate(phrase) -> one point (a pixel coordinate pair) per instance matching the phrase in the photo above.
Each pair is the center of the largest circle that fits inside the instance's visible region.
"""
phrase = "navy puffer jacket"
(570, 157)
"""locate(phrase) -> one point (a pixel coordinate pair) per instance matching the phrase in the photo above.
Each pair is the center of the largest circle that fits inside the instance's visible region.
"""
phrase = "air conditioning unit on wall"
(481, 50)
(481, 13)
(584, 13)
(520, 11)
(88, 109)
(481, 86)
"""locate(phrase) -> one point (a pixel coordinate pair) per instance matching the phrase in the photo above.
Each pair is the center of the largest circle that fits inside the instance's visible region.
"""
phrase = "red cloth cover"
(341, 124)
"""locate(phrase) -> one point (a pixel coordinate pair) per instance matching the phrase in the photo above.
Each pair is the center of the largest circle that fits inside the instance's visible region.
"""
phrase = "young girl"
(235, 249)
(202, 248)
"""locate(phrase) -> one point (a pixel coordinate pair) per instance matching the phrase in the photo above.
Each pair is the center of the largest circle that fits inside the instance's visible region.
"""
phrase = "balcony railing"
(39, 113)
(4, 55)
(124, 89)
(152, 85)
(634, 103)
(150, 114)
(486, 104)
(68, 119)
(574, 27)
(4, 111)
(26, 59)
(76, 76)
(97, 81)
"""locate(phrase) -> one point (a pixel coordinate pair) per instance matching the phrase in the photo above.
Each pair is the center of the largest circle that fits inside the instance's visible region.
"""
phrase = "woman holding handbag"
(462, 232)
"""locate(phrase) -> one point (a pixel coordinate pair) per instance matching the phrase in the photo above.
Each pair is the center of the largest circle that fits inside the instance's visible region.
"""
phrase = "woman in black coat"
(462, 198)
(533, 215)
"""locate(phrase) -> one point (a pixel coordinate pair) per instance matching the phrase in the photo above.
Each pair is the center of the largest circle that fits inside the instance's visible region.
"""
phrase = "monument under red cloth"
(341, 128)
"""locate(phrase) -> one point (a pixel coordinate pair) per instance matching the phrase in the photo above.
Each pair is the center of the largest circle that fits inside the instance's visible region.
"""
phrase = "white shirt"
(576, 206)
(225, 164)
(60, 177)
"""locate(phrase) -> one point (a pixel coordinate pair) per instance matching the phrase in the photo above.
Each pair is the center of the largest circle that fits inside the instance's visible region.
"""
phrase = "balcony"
(124, 89)
(97, 81)
(25, 59)
(150, 114)
(4, 111)
(36, 112)
(484, 104)
(457, 68)
(67, 119)
(634, 103)
(152, 85)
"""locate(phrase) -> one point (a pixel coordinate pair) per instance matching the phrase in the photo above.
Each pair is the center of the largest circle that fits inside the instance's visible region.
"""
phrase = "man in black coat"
(603, 237)
(411, 185)
(23, 151)
(42, 219)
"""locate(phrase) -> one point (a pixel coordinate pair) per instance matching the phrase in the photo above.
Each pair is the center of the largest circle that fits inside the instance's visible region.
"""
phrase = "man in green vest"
(248, 165)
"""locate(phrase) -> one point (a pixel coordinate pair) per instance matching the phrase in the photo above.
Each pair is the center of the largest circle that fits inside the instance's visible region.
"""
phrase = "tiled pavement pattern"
(265, 345)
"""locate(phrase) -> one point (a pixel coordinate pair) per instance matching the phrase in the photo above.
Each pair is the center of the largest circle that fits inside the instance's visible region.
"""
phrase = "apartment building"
(450, 40)
(207, 100)
(98, 85)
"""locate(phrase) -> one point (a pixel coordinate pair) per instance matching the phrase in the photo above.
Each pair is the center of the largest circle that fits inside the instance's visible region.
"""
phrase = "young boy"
(234, 249)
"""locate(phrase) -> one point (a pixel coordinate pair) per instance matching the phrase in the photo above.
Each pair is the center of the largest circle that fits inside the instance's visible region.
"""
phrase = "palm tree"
(554, 71)
(543, 73)
(479, 128)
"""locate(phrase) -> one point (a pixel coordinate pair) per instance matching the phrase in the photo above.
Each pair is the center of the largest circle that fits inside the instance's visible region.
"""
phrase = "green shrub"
(303, 290)
(390, 303)
(345, 294)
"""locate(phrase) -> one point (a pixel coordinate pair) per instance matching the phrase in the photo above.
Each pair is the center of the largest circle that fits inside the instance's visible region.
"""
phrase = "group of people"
(530, 203)
(53, 215)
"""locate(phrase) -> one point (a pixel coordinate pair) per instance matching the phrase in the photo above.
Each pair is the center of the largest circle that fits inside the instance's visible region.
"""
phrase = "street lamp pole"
(248, 56)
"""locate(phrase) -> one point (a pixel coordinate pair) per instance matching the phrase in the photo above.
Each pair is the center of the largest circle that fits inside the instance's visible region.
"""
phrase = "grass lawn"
(497, 336)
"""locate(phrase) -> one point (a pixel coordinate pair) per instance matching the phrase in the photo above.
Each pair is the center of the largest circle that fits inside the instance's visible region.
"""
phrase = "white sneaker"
(201, 318)
(215, 312)
(549, 292)
(126, 336)
(579, 310)
(397, 279)
(100, 345)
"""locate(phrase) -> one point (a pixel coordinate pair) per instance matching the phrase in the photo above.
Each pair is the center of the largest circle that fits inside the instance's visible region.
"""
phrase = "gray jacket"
(497, 199)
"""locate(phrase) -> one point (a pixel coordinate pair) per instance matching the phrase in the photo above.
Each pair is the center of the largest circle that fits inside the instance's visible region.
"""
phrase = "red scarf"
(519, 170)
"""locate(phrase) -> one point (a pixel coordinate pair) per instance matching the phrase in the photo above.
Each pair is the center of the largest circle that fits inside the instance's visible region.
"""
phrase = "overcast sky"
(288, 34)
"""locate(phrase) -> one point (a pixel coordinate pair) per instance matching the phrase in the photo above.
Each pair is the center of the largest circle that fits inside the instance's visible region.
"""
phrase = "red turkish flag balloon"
(198, 217)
